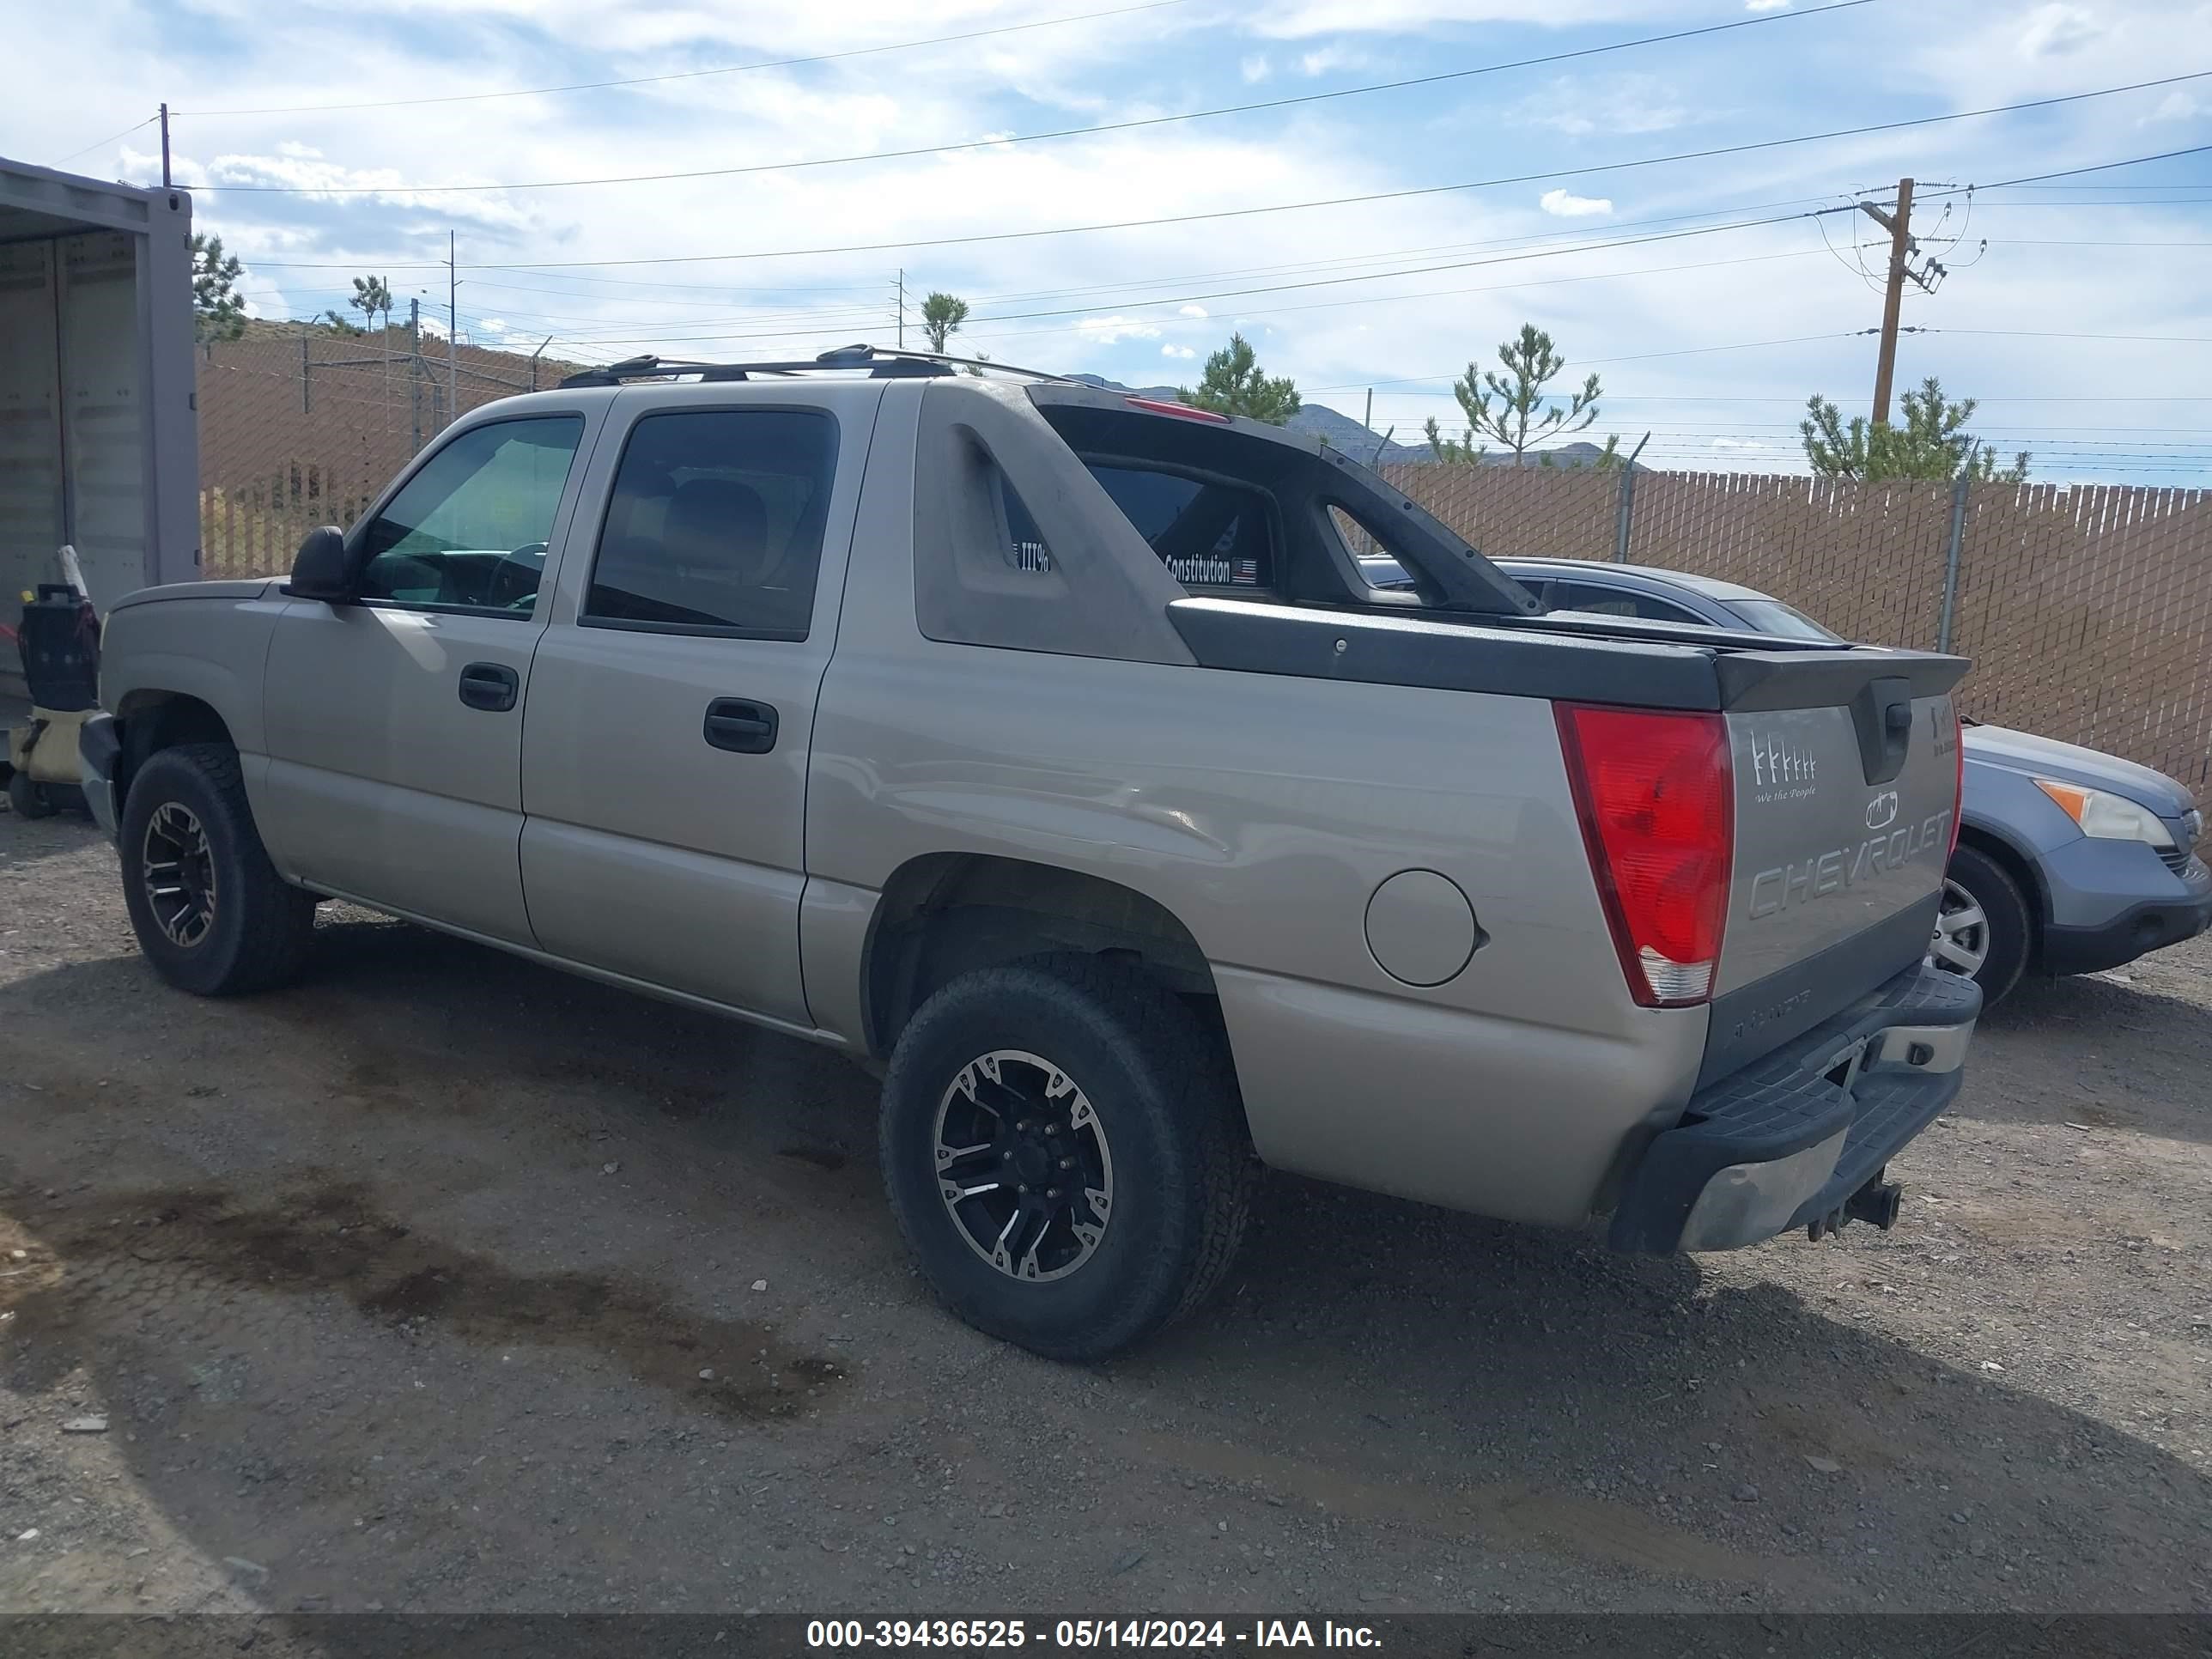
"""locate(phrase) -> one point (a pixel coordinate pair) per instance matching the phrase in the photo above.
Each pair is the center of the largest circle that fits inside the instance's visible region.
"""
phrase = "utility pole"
(414, 375)
(534, 357)
(1368, 419)
(902, 308)
(165, 145)
(453, 330)
(384, 350)
(1899, 225)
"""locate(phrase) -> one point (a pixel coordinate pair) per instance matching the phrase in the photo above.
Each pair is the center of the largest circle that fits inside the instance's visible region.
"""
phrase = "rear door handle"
(491, 686)
(740, 726)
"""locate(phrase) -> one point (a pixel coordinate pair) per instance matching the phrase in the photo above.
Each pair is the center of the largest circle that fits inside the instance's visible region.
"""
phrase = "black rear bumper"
(1790, 1139)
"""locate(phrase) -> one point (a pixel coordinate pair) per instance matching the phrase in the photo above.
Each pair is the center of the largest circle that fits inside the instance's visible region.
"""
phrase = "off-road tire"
(1164, 1093)
(260, 926)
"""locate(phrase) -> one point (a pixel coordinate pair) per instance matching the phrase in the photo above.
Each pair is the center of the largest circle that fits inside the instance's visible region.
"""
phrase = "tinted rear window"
(1213, 537)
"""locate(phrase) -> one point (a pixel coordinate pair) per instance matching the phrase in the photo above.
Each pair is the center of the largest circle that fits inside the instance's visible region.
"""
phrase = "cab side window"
(469, 530)
(715, 525)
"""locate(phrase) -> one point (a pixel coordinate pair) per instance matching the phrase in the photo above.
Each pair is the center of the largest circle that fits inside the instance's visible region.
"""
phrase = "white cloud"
(1579, 105)
(1110, 330)
(1255, 69)
(1764, 5)
(1322, 59)
(1600, 307)
(1566, 204)
(1193, 311)
(2055, 30)
(1738, 443)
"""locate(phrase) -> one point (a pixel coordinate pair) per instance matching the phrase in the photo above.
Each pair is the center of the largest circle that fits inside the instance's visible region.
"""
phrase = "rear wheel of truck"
(1062, 1146)
(1982, 927)
(210, 912)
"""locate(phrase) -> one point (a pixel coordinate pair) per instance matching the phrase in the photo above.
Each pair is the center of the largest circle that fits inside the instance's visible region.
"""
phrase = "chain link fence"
(302, 426)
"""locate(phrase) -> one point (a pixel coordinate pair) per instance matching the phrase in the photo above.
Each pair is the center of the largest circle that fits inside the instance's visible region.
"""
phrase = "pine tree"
(1510, 408)
(941, 317)
(1233, 383)
(1932, 444)
(218, 311)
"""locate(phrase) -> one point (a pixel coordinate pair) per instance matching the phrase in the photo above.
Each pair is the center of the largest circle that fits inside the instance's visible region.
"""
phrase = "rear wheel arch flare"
(945, 914)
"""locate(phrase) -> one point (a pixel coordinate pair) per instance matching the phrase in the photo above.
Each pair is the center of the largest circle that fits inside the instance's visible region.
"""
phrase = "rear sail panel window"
(1213, 537)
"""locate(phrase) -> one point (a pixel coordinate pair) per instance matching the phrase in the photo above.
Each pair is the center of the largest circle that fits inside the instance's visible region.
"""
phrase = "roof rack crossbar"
(881, 362)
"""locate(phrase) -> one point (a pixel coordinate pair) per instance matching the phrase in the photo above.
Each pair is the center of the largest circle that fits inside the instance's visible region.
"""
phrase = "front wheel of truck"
(210, 912)
(1062, 1147)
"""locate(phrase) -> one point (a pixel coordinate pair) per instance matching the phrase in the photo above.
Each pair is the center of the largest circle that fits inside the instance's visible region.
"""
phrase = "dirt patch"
(394, 1290)
(324, 1233)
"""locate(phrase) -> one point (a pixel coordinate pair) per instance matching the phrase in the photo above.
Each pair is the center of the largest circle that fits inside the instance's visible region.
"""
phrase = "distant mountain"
(1354, 439)
(1361, 443)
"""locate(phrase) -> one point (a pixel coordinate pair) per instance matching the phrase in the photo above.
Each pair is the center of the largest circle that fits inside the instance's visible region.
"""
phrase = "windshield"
(1784, 622)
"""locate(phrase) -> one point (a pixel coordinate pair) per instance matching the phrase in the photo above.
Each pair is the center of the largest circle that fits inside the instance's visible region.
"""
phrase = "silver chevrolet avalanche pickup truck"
(1046, 747)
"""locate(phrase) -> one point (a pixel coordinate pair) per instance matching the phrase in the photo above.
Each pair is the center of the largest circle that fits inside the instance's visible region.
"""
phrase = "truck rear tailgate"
(1846, 774)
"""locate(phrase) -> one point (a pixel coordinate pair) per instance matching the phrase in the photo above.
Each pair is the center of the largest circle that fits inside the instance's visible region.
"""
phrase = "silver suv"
(1047, 748)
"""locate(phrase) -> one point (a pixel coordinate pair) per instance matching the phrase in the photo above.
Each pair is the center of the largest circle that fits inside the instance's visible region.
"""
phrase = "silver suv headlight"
(2109, 816)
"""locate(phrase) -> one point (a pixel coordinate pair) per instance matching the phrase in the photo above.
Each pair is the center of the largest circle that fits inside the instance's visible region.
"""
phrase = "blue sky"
(1394, 294)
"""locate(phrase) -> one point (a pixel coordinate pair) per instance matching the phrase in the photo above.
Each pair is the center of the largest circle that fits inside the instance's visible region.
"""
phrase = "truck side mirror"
(318, 570)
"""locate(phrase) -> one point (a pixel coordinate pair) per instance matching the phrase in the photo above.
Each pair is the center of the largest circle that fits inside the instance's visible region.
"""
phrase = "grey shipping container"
(98, 432)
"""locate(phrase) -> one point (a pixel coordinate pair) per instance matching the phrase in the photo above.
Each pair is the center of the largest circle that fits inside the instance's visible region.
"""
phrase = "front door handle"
(490, 685)
(740, 726)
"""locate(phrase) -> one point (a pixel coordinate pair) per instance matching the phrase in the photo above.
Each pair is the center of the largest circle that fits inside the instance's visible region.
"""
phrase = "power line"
(564, 273)
(1287, 207)
(2038, 334)
(1411, 271)
(2101, 167)
(1120, 285)
(104, 143)
(1061, 132)
(1692, 352)
(1131, 283)
(2031, 242)
(1117, 324)
(1803, 339)
(686, 75)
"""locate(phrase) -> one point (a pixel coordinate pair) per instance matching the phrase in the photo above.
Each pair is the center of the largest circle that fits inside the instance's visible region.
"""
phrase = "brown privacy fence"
(301, 426)
(2088, 610)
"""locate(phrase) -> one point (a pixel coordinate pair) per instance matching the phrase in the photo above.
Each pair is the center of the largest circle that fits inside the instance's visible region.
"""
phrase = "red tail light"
(1655, 794)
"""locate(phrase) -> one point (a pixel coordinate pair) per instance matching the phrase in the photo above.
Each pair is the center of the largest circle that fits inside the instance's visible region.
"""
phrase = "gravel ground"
(446, 1282)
